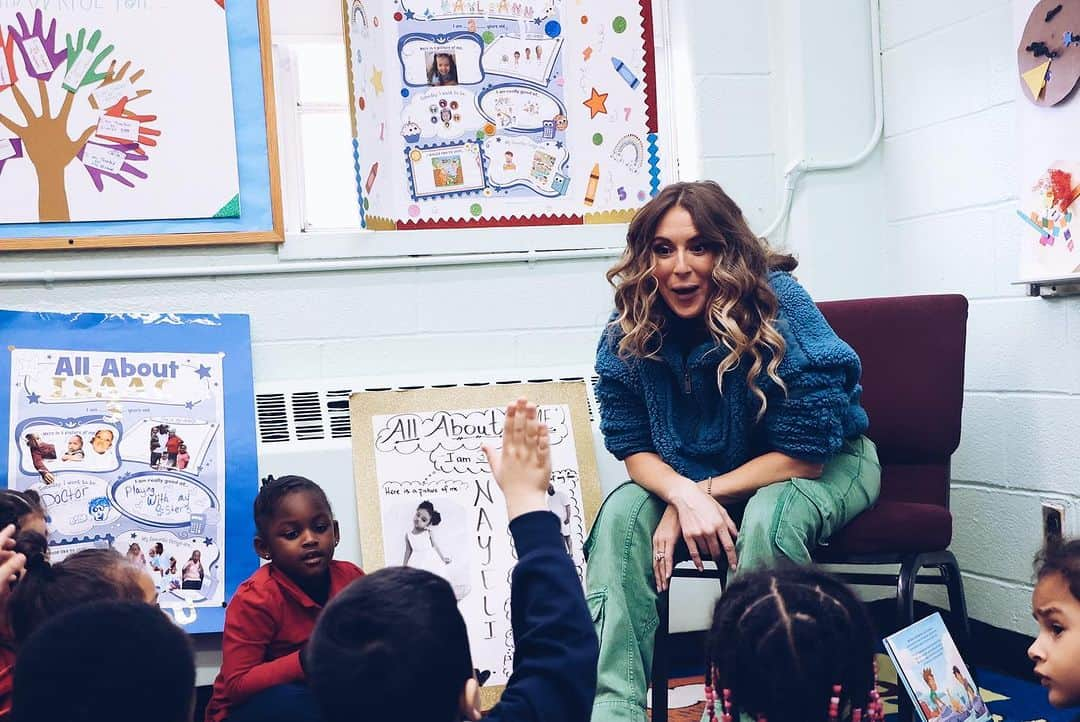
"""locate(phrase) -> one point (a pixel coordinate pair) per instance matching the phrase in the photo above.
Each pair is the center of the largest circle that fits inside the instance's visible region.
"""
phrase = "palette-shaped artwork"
(1048, 56)
(502, 112)
(1048, 210)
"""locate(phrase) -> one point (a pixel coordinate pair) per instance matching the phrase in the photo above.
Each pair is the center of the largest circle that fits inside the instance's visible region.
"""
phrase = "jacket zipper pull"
(688, 387)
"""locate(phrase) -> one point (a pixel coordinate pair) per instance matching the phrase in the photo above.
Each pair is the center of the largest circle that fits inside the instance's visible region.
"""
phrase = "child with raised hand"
(1056, 607)
(99, 645)
(394, 645)
(272, 614)
(791, 645)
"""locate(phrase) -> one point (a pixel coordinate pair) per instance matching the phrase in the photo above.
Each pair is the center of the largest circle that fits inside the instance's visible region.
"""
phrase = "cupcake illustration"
(411, 131)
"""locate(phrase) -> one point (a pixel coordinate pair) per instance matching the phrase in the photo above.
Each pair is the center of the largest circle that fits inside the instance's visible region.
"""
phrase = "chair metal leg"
(660, 662)
(905, 589)
(905, 612)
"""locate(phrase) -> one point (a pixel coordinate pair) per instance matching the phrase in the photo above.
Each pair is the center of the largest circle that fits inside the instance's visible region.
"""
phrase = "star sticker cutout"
(208, 540)
(189, 405)
(409, 15)
(376, 81)
(558, 144)
(33, 398)
(597, 103)
(538, 21)
(134, 535)
(204, 372)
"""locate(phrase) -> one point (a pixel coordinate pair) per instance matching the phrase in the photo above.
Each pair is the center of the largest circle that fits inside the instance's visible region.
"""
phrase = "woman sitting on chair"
(735, 408)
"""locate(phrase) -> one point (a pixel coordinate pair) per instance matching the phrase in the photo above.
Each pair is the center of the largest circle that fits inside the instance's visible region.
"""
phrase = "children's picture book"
(941, 687)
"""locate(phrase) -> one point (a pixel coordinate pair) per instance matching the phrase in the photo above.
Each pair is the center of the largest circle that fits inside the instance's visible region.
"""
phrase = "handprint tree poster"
(116, 110)
(502, 112)
(426, 497)
(137, 433)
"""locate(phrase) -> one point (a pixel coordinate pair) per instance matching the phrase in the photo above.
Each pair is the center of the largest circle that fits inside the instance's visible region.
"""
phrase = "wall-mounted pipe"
(805, 166)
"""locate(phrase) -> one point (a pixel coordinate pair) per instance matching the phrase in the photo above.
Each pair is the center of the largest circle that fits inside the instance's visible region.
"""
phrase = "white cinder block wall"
(950, 184)
(947, 183)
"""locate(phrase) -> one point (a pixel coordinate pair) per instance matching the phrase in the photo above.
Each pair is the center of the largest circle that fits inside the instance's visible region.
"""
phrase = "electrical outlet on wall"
(1053, 518)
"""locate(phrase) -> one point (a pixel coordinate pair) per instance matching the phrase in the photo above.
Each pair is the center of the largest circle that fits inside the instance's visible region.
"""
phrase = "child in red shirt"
(272, 614)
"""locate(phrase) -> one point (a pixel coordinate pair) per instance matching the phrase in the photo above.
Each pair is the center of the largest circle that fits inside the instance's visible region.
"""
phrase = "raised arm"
(554, 677)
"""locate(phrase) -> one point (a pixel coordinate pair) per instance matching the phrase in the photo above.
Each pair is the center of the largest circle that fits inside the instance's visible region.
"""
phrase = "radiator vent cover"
(303, 411)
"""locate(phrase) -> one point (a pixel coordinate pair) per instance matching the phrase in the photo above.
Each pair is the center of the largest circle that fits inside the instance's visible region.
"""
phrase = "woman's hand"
(706, 526)
(665, 538)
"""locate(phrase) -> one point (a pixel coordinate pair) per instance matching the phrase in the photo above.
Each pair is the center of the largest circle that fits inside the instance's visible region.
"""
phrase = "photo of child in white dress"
(421, 549)
(433, 539)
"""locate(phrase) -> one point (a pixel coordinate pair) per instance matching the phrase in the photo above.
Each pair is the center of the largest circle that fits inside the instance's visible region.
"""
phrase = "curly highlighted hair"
(742, 307)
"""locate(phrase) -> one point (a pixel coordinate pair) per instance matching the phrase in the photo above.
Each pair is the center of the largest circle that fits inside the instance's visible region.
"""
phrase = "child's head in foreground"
(46, 589)
(23, 509)
(372, 646)
(1056, 607)
(295, 528)
(783, 640)
(100, 646)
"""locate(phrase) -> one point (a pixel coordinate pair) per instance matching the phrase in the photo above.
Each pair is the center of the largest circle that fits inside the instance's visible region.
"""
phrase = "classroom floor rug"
(1009, 699)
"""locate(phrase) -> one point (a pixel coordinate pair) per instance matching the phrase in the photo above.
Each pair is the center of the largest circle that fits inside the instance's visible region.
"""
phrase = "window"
(316, 136)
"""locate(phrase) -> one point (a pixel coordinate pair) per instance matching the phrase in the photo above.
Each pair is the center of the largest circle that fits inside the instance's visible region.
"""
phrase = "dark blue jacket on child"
(554, 677)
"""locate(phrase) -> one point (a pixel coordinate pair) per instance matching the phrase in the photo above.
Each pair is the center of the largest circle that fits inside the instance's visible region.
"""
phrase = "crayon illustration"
(625, 72)
(594, 181)
(371, 176)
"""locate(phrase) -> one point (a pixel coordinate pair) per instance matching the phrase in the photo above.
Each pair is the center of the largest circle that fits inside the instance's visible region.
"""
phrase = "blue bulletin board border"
(260, 220)
(165, 333)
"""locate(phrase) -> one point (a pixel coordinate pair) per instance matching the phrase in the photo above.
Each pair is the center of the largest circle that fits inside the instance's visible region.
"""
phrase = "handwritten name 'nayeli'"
(115, 368)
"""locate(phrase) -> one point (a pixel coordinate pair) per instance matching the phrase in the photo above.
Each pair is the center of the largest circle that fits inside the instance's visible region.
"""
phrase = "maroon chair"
(912, 352)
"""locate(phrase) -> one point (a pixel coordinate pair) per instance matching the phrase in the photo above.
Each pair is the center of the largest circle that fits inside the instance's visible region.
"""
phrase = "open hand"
(115, 77)
(17, 146)
(523, 467)
(131, 154)
(84, 57)
(38, 48)
(8, 76)
(147, 135)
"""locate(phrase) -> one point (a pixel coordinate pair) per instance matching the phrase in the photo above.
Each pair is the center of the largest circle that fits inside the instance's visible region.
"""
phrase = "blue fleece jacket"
(670, 405)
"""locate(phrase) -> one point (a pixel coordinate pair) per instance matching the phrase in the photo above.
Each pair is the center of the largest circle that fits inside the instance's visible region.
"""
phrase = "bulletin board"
(1048, 112)
(421, 450)
(138, 433)
(472, 113)
(117, 130)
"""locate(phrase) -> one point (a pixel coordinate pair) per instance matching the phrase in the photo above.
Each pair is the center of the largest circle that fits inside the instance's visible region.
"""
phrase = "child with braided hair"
(791, 645)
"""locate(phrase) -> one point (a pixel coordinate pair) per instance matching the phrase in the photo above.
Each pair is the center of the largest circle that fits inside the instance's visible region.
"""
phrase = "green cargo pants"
(782, 522)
